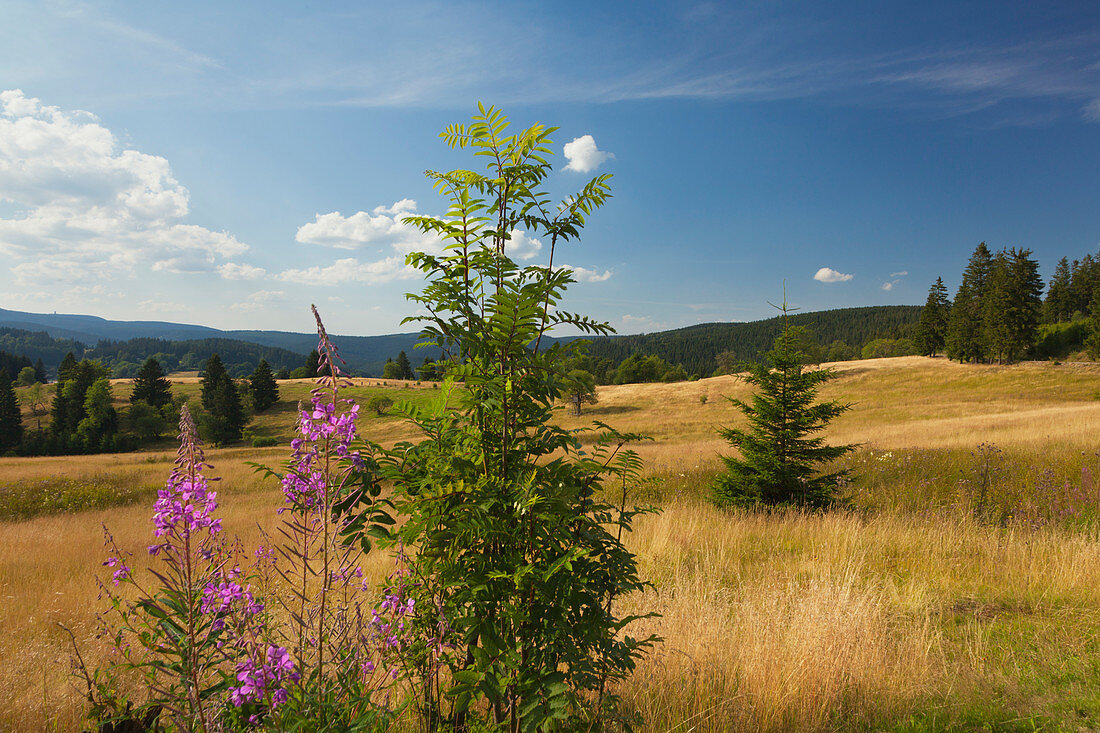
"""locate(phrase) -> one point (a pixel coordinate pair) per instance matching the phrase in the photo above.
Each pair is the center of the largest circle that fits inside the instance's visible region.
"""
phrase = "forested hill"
(123, 345)
(239, 357)
(695, 347)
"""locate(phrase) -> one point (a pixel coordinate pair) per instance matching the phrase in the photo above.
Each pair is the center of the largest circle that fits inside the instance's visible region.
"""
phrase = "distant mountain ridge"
(363, 353)
(694, 347)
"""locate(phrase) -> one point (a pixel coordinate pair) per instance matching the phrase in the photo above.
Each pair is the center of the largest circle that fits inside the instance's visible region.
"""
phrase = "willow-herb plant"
(515, 544)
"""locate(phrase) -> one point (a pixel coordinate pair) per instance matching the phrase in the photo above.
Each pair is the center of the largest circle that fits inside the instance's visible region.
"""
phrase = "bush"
(264, 442)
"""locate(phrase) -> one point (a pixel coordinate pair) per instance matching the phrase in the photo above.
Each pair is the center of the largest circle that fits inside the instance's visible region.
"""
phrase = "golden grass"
(838, 621)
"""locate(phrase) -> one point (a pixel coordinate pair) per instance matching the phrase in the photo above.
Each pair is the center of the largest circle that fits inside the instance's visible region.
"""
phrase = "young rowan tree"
(515, 545)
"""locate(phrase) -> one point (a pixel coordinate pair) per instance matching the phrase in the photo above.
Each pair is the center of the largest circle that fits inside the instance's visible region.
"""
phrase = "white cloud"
(240, 271)
(88, 209)
(889, 285)
(381, 228)
(1092, 110)
(585, 275)
(634, 323)
(522, 246)
(903, 273)
(259, 300)
(583, 155)
(829, 275)
(350, 270)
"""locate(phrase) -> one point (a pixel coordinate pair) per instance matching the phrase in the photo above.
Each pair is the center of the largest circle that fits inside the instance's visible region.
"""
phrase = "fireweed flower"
(326, 427)
(262, 674)
(185, 505)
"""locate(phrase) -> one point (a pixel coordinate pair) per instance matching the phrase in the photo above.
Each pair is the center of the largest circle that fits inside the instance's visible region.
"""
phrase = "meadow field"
(957, 589)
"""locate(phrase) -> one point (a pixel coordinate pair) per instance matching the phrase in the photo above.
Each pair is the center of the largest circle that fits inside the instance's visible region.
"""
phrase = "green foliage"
(222, 403)
(964, 328)
(147, 422)
(26, 376)
(1092, 343)
(262, 387)
(515, 546)
(391, 370)
(151, 386)
(96, 430)
(70, 399)
(697, 348)
(580, 390)
(1012, 305)
(781, 451)
(264, 442)
(883, 348)
(404, 369)
(11, 421)
(381, 404)
(932, 328)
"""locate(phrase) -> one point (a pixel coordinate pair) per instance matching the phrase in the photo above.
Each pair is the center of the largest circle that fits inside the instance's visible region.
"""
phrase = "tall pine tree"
(151, 386)
(1058, 305)
(262, 387)
(781, 451)
(11, 421)
(966, 325)
(932, 328)
(404, 369)
(1012, 305)
(222, 401)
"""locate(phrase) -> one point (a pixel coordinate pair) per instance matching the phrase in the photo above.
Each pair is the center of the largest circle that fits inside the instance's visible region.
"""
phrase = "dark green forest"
(696, 348)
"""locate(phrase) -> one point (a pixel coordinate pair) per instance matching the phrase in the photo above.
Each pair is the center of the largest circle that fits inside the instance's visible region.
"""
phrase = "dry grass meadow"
(907, 611)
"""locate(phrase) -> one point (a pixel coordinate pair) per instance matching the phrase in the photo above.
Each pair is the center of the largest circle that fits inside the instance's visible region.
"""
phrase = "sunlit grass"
(908, 611)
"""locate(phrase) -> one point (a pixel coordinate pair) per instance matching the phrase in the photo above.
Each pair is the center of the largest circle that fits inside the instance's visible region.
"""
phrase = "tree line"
(999, 313)
(84, 419)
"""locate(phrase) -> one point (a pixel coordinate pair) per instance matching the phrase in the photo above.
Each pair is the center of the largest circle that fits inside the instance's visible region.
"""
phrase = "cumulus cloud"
(522, 246)
(383, 226)
(351, 270)
(889, 285)
(259, 300)
(585, 275)
(240, 271)
(583, 155)
(86, 206)
(829, 275)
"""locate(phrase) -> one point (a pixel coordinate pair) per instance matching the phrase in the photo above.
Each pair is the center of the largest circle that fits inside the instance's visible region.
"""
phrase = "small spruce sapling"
(781, 451)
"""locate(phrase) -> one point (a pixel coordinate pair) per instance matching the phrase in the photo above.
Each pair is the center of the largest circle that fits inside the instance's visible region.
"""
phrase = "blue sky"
(229, 163)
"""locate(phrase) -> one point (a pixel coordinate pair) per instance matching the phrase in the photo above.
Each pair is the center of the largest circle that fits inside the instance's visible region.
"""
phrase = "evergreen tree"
(262, 387)
(1012, 305)
(428, 370)
(11, 421)
(965, 327)
(1058, 305)
(932, 328)
(313, 363)
(1092, 341)
(222, 401)
(1084, 279)
(40, 372)
(151, 386)
(404, 369)
(65, 368)
(390, 370)
(780, 452)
